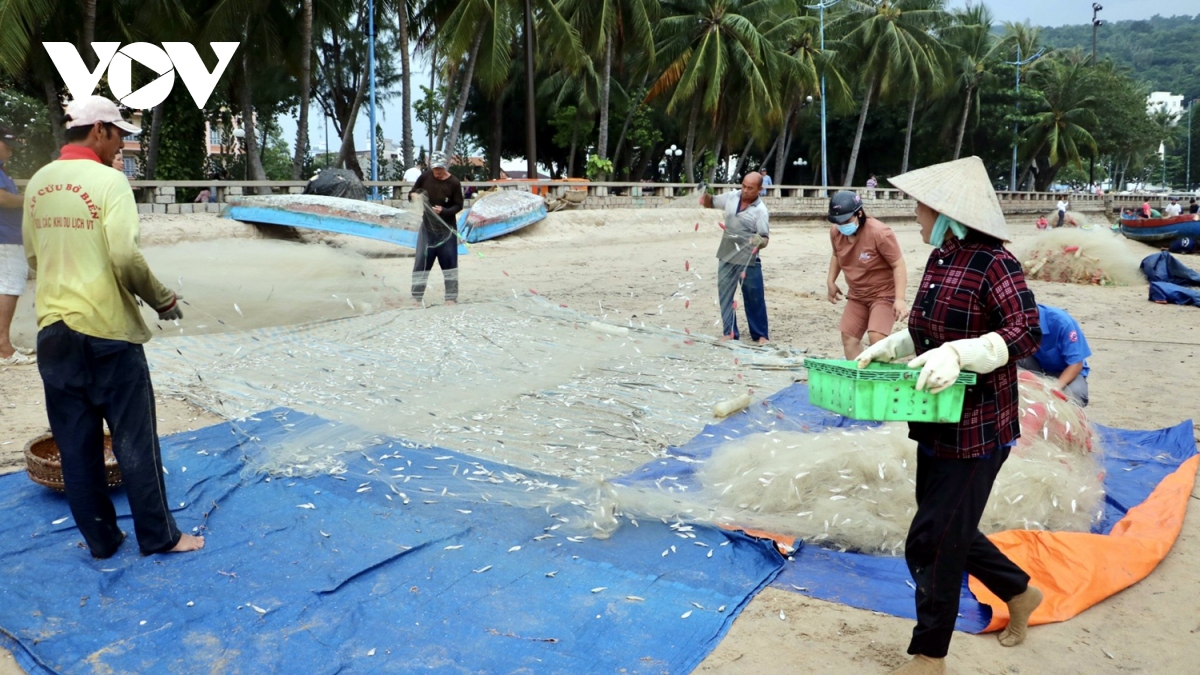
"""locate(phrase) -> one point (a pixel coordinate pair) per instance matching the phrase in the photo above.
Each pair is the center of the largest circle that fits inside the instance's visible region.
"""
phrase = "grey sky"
(1062, 12)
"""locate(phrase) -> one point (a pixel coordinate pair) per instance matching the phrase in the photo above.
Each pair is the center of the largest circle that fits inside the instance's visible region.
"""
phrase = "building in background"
(1165, 100)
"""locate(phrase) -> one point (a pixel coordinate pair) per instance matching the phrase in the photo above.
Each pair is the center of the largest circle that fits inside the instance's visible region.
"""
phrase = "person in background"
(972, 312)
(1063, 204)
(873, 183)
(14, 271)
(1062, 354)
(81, 236)
(1193, 207)
(437, 240)
(1042, 223)
(747, 232)
(867, 253)
(1173, 209)
(1145, 210)
(766, 178)
(204, 197)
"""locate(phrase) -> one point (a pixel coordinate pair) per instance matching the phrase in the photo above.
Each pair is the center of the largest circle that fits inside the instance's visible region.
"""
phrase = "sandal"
(18, 359)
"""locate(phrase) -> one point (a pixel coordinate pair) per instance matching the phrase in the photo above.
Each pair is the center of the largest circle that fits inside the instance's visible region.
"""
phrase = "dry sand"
(631, 262)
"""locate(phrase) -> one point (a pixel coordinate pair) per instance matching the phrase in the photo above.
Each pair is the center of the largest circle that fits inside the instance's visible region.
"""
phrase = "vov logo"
(167, 60)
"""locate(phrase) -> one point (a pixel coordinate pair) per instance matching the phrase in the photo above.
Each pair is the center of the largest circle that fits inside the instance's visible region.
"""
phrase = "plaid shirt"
(972, 288)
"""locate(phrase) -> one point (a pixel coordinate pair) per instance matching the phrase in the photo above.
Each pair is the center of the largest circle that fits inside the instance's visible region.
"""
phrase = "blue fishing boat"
(1156, 230)
(500, 212)
(330, 214)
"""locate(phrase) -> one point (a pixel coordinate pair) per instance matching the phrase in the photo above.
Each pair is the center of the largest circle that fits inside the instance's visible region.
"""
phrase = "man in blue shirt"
(1063, 353)
(14, 270)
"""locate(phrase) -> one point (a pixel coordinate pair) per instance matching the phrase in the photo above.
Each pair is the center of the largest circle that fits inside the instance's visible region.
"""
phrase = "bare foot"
(725, 338)
(188, 542)
(762, 341)
(922, 665)
(1019, 609)
(451, 302)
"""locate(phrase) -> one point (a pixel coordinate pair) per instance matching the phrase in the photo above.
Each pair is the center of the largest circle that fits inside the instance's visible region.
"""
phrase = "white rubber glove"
(892, 347)
(940, 367)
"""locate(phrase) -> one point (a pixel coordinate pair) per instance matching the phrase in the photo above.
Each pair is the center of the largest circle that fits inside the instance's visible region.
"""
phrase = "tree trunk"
(689, 159)
(306, 37)
(605, 92)
(406, 123)
(246, 103)
(346, 155)
(461, 110)
(962, 127)
(912, 114)
(781, 160)
(771, 151)
(440, 144)
(1029, 166)
(737, 169)
(156, 121)
(497, 138)
(712, 170)
(89, 34)
(862, 122)
(58, 118)
(574, 145)
(634, 101)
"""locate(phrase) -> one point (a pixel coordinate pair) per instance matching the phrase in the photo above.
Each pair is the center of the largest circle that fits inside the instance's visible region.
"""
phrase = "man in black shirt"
(1193, 207)
(438, 236)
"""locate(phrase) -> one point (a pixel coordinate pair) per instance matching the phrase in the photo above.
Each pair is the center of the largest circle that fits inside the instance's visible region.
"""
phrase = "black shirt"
(447, 194)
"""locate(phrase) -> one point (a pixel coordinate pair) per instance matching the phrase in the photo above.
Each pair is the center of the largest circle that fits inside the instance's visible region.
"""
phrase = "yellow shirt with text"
(81, 237)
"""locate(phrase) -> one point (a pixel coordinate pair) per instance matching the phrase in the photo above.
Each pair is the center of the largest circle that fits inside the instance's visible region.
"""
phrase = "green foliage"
(597, 167)
(30, 122)
(182, 146)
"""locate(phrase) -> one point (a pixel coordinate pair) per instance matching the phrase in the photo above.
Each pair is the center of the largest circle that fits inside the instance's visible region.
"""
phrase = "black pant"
(89, 380)
(435, 241)
(944, 540)
(1061, 215)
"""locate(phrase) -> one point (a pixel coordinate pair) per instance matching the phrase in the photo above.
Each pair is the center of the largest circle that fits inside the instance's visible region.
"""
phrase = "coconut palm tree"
(889, 44)
(306, 48)
(608, 25)
(974, 45)
(707, 47)
(1063, 125)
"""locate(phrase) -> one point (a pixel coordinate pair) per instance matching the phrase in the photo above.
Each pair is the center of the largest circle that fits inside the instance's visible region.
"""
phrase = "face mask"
(848, 229)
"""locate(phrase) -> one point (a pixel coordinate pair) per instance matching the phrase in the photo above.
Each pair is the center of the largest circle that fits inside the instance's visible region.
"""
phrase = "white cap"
(86, 111)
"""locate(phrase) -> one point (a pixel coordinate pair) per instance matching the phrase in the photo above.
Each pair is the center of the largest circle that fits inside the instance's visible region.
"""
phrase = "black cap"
(843, 205)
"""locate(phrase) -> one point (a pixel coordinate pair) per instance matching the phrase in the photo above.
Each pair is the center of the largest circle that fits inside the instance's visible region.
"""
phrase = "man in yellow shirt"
(81, 236)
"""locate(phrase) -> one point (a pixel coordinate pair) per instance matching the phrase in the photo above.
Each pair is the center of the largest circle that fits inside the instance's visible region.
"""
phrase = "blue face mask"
(848, 229)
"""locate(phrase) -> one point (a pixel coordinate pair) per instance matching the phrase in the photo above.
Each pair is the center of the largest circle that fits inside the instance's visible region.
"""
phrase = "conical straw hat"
(960, 190)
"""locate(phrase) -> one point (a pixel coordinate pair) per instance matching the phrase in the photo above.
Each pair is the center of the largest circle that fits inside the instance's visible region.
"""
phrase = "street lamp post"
(240, 134)
(799, 163)
(672, 152)
(821, 7)
(1188, 187)
(1012, 183)
(1096, 23)
(371, 110)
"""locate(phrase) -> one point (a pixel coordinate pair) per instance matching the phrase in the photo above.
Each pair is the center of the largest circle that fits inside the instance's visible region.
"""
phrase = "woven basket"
(45, 466)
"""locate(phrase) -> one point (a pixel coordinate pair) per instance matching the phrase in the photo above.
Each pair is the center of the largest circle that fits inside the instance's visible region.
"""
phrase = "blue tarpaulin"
(1135, 462)
(320, 576)
(1171, 282)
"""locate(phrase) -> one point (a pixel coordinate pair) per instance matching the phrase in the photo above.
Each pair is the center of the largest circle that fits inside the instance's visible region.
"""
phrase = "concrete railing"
(797, 201)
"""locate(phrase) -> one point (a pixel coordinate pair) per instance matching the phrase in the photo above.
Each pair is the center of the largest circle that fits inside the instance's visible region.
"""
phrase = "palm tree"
(707, 47)
(306, 48)
(889, 44)
(604, 26)
(1063, 125)
(406, 127)
(974, 45)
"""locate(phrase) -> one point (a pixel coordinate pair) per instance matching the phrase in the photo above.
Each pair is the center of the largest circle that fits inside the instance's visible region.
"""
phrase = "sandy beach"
(629, 265)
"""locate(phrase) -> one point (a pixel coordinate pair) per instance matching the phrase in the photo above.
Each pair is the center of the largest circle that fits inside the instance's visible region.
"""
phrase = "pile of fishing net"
(1080, 256)
(854, 489)
(336, 183)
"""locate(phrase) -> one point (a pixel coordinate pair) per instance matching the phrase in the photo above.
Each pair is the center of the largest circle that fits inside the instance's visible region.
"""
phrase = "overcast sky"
(1062, 12)
(1038, 12)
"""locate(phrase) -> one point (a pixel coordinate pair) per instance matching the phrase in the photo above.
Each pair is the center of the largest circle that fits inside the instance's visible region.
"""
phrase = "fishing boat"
(330, 214)
(1152, 230)
(500, 212)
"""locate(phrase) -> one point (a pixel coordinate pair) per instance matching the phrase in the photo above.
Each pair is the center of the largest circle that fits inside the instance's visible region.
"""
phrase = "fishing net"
(336, 183)
(1080, 256)
(853, 489)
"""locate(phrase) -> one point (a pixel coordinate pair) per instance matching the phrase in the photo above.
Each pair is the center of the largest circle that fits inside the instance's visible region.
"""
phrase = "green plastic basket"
(882, 392)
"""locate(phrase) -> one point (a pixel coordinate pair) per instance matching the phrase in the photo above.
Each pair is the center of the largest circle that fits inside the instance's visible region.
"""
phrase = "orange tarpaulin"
(1076, 570)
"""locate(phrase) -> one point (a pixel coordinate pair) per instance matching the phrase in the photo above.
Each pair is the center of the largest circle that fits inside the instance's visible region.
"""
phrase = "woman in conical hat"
(972, 312)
